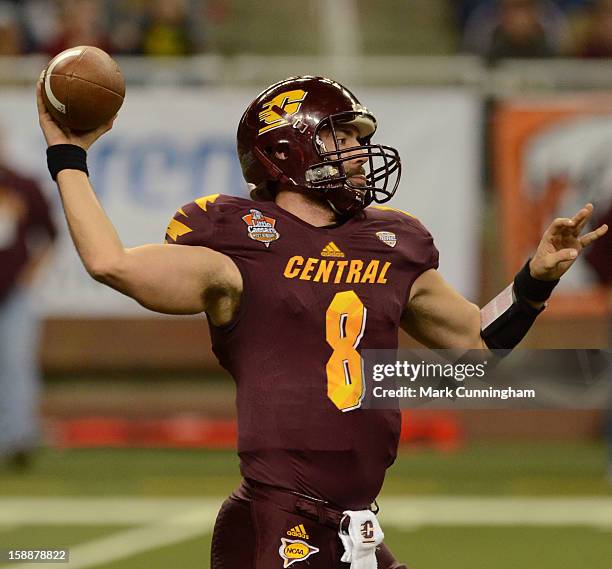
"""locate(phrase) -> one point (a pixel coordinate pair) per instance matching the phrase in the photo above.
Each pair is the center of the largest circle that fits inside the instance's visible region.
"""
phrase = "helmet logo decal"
(289, 102)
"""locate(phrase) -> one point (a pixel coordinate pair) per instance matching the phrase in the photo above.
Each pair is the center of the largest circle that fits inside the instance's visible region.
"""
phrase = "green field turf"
(538, 468)
(427, 548)
(512, 484)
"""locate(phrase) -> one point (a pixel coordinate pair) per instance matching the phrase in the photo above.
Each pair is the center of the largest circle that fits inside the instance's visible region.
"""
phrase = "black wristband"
(528, 288)
(66, 157)
(510, 327)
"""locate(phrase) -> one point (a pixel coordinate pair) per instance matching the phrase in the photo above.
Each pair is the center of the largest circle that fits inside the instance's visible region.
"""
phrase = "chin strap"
(346, 200)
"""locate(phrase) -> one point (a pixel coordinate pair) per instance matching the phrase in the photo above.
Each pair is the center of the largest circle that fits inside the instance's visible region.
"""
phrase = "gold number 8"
(344, 327)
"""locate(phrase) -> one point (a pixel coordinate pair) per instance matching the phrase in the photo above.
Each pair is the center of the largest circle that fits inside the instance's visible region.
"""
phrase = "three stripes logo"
(332, 250)
(298, 531)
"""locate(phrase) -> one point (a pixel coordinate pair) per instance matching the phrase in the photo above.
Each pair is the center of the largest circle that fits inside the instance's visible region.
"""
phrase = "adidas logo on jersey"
(331, 250)
(298, 531)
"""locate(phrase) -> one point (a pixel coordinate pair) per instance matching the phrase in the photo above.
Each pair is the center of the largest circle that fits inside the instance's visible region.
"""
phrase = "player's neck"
(313, 212)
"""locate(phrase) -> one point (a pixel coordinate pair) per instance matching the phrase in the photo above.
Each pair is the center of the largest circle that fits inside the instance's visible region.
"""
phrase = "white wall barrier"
(170, 146)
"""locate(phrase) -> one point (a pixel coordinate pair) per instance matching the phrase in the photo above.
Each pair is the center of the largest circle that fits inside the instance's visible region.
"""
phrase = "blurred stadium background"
(502, 112)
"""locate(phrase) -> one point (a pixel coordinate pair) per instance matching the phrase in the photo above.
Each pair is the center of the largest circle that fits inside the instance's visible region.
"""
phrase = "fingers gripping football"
(57, 134)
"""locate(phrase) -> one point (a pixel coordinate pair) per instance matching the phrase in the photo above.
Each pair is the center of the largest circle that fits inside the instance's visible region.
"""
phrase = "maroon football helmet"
(278, 141)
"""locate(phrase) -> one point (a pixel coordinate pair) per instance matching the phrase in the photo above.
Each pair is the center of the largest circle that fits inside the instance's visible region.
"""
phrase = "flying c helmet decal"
(288, 103)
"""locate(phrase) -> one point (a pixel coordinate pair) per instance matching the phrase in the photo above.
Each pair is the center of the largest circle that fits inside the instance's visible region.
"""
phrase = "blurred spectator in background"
(125, 26)
(464, 8)
(167, 29)
(516, 29)
(26, 236)
(11, 37)
(130, 27)
(41, 23)
(82, 22)
(593, 31)
(599, 258)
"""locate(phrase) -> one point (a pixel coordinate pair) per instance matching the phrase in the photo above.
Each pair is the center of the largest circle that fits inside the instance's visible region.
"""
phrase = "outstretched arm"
(170, 279)
(439, 317)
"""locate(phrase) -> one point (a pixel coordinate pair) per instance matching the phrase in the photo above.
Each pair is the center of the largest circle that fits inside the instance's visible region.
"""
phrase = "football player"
(300, 278)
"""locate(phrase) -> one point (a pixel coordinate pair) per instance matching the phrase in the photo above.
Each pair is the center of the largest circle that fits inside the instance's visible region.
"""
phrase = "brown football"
(83, 87)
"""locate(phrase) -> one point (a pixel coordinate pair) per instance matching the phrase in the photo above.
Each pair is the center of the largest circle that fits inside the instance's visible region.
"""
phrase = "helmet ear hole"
(281, 150)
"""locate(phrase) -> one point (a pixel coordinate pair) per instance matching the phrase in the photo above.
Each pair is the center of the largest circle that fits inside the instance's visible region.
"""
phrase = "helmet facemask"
(381, 168)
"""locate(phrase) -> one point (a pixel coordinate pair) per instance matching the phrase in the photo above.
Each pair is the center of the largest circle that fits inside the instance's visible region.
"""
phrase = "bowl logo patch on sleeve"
(261, 228)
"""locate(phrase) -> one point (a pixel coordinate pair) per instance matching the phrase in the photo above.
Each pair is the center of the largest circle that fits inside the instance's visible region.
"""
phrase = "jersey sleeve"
(194, 223)
(422, 254)
(427, 252)
(414, 243)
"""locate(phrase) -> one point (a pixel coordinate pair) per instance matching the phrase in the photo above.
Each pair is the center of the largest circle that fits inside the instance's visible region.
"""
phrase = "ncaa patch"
(261, 228)
(295, 550)
(387, 237)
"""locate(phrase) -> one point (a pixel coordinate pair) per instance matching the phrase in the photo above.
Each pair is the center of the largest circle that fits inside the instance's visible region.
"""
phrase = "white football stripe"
(50, 95)
(398, 511)
(133, 541)
(411, 512)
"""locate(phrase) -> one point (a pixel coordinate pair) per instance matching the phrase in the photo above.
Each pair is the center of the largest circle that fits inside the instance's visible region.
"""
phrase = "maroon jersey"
(25, 224)
(313, 298)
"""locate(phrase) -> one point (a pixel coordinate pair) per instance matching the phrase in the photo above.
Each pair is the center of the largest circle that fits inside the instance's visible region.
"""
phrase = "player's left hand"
(562, 243)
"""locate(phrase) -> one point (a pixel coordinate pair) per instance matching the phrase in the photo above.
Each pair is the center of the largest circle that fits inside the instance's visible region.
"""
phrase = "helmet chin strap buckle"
(321, 173)
(346, 203)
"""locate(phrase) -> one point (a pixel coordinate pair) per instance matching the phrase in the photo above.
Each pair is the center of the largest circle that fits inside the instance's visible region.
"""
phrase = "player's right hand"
(58, 134)
(562, 243)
